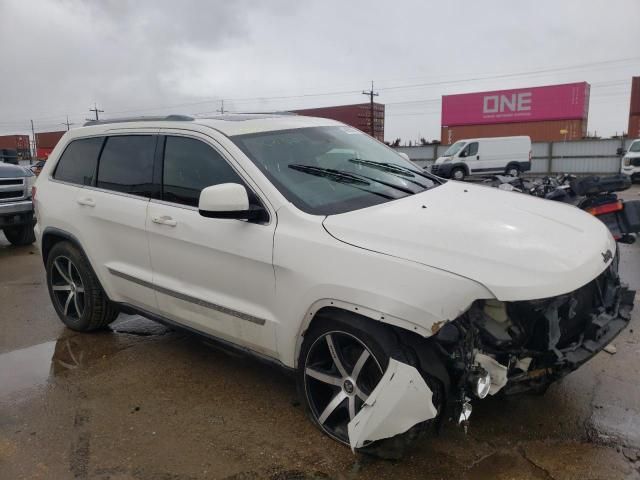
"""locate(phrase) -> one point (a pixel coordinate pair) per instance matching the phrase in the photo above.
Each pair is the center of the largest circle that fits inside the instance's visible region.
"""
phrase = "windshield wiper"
(392, 168)
(331, 172)
(337, 175)
(342, 177)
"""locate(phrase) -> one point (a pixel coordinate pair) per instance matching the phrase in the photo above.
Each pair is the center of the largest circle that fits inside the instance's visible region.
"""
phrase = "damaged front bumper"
(525, 346)
(494, 347)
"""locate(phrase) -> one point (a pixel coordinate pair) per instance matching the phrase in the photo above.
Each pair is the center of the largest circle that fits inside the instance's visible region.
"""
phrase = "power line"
(349, 92)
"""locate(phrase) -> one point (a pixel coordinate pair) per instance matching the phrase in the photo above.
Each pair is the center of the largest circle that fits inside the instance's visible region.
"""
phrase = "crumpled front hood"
(517, 246)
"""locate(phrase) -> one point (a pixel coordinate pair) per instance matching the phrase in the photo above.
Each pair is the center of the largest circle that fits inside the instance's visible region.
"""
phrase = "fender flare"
(462, 165)
(360, 310)
(56, 232)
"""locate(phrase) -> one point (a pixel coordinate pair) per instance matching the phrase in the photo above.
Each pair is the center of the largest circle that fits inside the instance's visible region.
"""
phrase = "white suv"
(397, 297)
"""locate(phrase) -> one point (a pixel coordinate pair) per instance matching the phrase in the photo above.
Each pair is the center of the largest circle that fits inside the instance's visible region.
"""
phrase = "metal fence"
(578, 156)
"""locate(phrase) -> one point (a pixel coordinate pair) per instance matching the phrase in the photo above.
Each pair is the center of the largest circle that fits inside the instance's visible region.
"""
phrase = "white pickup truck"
(16, 207)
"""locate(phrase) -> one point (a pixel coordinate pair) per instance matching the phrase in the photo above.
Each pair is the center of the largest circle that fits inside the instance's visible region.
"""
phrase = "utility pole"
(221, 109)
(95, 109)
(371, 94)
(69, 124)
(35, 145)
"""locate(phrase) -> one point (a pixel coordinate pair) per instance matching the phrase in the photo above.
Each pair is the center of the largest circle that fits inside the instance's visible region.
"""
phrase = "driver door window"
(471, 150)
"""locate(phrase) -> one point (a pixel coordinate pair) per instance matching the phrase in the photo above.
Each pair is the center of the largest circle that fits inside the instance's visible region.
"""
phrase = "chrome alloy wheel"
(340, 373)
(67, 287)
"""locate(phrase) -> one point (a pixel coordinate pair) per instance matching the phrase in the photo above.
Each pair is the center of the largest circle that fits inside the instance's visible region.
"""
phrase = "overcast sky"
(134, 57)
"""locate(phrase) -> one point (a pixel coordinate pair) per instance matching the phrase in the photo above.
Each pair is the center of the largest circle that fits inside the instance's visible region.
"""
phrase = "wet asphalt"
(139, 401)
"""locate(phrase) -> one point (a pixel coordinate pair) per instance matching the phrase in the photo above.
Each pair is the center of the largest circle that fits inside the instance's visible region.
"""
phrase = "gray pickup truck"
(16, 207)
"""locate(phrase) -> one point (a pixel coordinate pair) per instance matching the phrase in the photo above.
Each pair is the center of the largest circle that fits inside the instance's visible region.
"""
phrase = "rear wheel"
(20, 235)
(340, 364)
(458, 173)
(513, 170)
(75, 291)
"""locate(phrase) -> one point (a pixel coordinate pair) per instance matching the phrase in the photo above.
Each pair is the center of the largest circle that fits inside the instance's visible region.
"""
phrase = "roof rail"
(167, 118)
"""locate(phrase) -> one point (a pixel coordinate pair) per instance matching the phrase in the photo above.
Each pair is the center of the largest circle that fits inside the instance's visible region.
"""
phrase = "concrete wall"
(578, 156)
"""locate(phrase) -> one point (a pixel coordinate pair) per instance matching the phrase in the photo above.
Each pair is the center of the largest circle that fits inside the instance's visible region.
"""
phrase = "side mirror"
(227, 200)
(620, 151)
(463, 154)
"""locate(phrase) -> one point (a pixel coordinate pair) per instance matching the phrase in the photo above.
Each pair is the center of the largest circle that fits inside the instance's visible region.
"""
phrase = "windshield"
(330, 170)
(635, 147)
(453, 149)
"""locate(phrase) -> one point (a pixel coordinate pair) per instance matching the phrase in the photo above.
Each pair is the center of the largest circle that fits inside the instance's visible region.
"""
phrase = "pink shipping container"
(554, 102)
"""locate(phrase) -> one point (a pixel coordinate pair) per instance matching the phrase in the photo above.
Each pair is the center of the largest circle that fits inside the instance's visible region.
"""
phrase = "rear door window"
(191, 165)
(79, 161)
(126, 165)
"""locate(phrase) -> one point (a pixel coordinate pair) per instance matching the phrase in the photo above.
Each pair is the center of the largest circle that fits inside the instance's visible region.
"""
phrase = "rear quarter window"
(79, 161)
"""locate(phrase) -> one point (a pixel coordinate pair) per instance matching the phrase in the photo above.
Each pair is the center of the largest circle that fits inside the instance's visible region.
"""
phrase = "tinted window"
(79, 160)
(472, 149)
(126, 165)
(191, 165)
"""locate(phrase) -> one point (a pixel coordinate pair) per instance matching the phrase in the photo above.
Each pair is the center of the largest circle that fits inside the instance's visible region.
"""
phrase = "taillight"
(606, 208)
(33, 193)
(530, 154)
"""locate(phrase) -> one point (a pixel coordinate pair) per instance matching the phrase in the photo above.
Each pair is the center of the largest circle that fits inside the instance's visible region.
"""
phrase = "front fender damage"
(401, 400)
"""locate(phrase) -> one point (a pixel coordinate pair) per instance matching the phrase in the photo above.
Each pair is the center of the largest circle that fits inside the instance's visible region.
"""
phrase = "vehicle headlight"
(479, 382)
(626, 161)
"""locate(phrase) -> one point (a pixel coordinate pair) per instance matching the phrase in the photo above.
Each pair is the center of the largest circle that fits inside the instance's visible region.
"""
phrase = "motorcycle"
(596, 195)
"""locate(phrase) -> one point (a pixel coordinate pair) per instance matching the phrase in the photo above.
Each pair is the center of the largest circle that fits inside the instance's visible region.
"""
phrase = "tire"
(75, 291)
(350, 335)
(458, 174)
(20, 235)
(512, 170)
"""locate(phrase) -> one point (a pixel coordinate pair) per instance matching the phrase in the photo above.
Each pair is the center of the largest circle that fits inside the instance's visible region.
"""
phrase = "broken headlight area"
(526, 345)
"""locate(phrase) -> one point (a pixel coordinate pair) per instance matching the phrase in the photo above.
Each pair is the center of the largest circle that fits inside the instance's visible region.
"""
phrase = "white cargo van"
(485, 156)
(631, 161)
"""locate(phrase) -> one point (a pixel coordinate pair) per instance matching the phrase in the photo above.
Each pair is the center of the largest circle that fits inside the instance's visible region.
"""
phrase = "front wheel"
(458, 174)
(20, 235)
(340, 364)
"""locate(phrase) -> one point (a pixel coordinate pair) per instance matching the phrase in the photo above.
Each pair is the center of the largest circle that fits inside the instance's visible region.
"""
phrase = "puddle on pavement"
(32, 367)
(25, 368)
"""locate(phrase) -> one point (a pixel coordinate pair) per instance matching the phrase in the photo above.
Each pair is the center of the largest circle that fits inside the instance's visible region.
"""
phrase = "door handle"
(86, 201)
(478, 157)
(164, 220)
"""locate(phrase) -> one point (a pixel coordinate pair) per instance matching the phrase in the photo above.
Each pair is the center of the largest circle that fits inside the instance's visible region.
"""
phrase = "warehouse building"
(358, 116)
(550, 113)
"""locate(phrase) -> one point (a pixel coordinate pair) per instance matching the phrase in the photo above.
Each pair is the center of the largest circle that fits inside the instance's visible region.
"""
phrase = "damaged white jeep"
(398, 298)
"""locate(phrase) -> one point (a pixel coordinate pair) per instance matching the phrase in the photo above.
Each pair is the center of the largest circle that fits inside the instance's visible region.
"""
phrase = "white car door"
(212, 275)
(112, 212)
